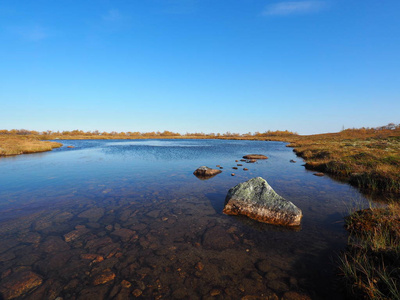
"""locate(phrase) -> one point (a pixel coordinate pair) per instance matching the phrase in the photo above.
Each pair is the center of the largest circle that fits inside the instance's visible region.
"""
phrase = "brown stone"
(96, 243)
(217, 238)
(295, 296)
(199, 266)
(93, 214)
(245, 169)
(54, 244)
(239, 165)
(232, 174)
(319, 174)
(92, 257)
(104, 277)
(50, 289)
(62, 217)
(215, 292)
(126, 284)
(19, 284)
(70, 147)
(74, 234)
(154, 213)
(54, 262)
(124, 233)
(91, 293)
(235, 168)
(42, 224)
(255, 156)
(137, 292)
(204, 172)
(31, 238)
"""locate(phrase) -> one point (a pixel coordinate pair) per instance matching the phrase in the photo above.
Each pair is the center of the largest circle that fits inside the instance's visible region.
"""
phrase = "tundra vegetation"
(14, 145)
(368, 158)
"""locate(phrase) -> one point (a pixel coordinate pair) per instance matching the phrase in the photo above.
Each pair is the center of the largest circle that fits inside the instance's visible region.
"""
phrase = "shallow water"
(125, 219)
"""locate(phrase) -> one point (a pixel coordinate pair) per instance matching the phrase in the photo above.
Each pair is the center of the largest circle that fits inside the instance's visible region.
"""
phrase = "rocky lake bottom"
(129, 220)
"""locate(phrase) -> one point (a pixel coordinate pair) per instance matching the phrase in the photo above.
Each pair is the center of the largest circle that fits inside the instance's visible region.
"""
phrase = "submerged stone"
(19, 283)
(256, 199)
(217, 238)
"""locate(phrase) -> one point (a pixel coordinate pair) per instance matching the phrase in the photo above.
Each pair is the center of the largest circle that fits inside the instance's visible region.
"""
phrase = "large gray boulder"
(256, 199)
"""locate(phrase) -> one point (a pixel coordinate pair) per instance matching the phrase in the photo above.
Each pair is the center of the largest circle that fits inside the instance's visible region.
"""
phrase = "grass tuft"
(371, 264)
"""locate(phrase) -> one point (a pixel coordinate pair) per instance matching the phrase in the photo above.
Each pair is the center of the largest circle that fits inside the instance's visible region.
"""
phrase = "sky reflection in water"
(153, 180)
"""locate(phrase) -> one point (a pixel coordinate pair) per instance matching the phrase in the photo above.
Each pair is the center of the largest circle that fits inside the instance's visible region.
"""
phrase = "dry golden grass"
(371, 264)
(368, 159)
(14, 145)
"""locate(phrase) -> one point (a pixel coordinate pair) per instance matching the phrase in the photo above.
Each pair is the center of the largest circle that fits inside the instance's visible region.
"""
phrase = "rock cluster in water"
(256, 199)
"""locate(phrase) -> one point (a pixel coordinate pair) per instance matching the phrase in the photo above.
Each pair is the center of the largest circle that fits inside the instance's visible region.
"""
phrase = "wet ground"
(128, 219)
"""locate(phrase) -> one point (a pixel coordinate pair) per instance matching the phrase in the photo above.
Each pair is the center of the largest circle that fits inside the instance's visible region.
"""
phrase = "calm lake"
(121, 219)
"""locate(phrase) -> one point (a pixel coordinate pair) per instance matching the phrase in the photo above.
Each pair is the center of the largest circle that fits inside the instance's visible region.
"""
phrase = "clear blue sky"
(199, 65)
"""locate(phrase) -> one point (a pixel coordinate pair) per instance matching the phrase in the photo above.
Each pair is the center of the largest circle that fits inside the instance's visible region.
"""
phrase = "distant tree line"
(269, 133)
(391, 127)
(165, 133)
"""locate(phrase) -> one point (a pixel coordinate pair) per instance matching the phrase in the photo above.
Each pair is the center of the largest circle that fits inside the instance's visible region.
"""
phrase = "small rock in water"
(199, 266)
(233, 174)
(319, 174)
(235, 168)
(256, 199)
(255, 156)
(137, 292)
(217, 238)
(236, 160)
(292, 161)
(239, 165)
(74, 234)
(104, 277)
(93, 214)
(124, 233)
(245, 169)
(204, 172)
(126, 284)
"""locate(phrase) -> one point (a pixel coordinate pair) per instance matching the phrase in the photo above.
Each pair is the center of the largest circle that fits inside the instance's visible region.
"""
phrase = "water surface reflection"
(127, 219)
